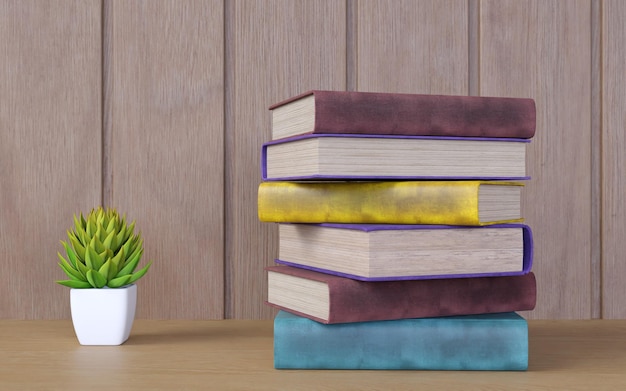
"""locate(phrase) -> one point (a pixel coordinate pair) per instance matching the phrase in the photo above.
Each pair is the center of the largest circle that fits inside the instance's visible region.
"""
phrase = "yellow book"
(394, 202)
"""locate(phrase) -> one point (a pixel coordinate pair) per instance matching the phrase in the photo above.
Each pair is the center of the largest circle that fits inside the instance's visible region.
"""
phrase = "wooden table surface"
(237, 355)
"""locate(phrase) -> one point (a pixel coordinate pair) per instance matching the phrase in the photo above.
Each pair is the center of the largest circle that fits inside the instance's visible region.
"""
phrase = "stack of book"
(401, 242)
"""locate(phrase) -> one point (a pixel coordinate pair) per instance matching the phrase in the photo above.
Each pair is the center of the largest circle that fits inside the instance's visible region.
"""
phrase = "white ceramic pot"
(103, 316)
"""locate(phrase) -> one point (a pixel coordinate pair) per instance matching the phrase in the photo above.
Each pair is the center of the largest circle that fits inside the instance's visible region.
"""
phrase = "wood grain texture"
(596, 160)
(473, 31)
(237, 355)
(275, 49)
(614, 160)
(50, 148)
(542, 49)
(165, 113)
(413, 46)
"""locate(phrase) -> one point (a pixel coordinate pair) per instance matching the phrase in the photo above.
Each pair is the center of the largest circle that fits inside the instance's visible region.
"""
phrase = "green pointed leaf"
(71, 234)
(78, 248)
(91, 228)
(71, 276)
(99, 216)
(115, 244)
(130, 246)
(90, 278)
(100, 234)
(109, 270)
(88, 256)
(110, 241)
(137, 242)
(130, 266)
(110, 227)
(96, 279)
(121, 237)
(96, 244)
(64, 261)
(71, 255)
(82, 268)
(107, 254)
(139, 274)
(75, 284)
(81, 234)
(119, 281)
(69, 270)
(117, 259)
(93, 259)
(130, 230)
(105, 269)
(77, 223)
(138, 248)
(113, 269)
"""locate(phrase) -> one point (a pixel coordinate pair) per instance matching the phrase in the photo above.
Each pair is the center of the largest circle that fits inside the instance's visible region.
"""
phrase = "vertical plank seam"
(596, 159)
(227, 283)
(351, 45)
(106, 110)
(473, 47)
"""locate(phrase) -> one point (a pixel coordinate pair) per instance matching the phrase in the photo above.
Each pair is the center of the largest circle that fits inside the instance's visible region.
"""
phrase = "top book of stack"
(395, 114)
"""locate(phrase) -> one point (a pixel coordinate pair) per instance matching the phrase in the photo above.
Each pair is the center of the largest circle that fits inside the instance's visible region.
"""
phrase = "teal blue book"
(486, 342)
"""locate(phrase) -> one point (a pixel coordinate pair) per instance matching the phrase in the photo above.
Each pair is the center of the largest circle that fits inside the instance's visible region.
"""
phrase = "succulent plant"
(102, 251)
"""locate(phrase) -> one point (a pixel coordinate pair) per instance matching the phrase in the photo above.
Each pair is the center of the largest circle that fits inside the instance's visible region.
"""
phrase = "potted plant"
(103, 253)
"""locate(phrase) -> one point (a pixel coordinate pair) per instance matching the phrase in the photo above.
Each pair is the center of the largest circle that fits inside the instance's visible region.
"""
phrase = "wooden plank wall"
(165, 143)
(160, 108)
(50, 144)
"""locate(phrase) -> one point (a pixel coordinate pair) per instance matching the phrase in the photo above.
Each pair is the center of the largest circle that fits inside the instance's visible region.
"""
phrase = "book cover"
(330, 299)
(391, 202)
(488, 342)
(387, 252)
(374, 157)
(403, 114)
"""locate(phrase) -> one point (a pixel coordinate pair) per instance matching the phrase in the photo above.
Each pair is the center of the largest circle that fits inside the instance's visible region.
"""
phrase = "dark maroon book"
(403, 114)
(329, 298)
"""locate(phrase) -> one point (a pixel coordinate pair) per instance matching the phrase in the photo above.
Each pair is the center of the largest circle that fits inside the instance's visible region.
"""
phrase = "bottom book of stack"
(488, 342)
